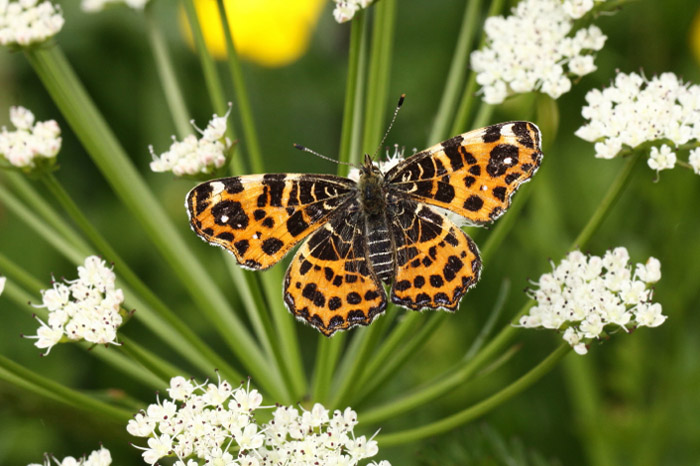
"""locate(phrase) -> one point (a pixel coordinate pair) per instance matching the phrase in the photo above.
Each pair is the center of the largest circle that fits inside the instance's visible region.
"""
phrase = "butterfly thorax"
(371, 189)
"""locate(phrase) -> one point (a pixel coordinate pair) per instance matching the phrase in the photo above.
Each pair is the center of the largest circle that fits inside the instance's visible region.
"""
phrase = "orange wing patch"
(259, 218)
(436, 261)
(330, 283)
(474, 174)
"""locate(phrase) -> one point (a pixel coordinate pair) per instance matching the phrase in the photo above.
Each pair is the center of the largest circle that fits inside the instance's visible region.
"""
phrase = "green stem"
(364, 342)
(211, 77)
(455, 77)
(245, 112)
(26, 191)
(461, 418)
(483, 115)
(166, 74)
(100, 143)
(349, 137)
(381, 372)
(70, 251)
(445, 382)
(465, 106)
(606, 204)
(161, 370)
(378, 74)
(17, 374)
(327, 355)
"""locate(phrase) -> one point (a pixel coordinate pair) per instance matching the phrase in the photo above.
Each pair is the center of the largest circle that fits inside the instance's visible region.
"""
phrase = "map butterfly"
(386, 228)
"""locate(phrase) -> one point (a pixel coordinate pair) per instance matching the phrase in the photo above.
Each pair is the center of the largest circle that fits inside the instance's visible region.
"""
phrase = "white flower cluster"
(577, 8)
(584, 295)
(534, 49)
(93, 6)
(87, 308)
(345, 9)
(635, 110)
(27, 22)
(101, 457)
(194, 156)
(31, 142)
(214, 424)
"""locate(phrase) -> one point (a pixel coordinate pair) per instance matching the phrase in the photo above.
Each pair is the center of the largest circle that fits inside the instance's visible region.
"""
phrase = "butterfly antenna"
(391, 124)
(306, 149)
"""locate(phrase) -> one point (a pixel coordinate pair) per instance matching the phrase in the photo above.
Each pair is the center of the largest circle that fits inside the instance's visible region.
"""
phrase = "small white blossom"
(193, 156)
(585, 296)
(345, 9)
(661, 159)
(2, 284)
(101, 457)
(87, 308)
(31, 143)
(92, 6)
(28, 22)
(694, 160)
(535, 49)
(211, 431)
(633, 111)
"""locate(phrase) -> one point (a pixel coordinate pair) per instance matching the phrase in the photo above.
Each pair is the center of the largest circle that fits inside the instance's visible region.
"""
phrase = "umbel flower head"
(588, 296)
(28, 22)
(535, 49)
(345, 10)
(196, 156)
(101, 457)
(215, 424)
(662, 111)
(33, 144)
(87, 308)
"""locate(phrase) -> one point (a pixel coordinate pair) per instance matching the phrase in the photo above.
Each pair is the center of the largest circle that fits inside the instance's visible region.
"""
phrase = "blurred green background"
(645, 409)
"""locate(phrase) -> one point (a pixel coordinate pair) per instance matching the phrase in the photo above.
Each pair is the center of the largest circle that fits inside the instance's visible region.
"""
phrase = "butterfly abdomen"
(380, 249)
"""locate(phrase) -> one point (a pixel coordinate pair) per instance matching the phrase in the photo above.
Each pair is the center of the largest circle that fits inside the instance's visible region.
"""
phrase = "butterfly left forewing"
(473, 174)
(259, 218)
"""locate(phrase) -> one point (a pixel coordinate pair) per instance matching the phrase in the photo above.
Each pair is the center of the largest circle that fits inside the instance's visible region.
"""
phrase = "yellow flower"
(268, 32)
(695, 36)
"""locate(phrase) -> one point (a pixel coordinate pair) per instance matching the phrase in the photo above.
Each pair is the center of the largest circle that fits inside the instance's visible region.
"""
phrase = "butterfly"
(385, 228)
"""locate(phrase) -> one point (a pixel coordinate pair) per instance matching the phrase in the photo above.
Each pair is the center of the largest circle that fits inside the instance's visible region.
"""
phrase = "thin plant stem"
(455, 76)
(26, 191)
(495, 313)
(346, 380)
(35, 383)
(378, 74)
(371, 381)
(349, 136)
(211, 77)
(161, 369)
(465, 106)
(468, 414)
(164, 67)
(606, 204)
(51, 236)
(327, 355)
(100, 143)
(446, 381)
(483, 115)
(243, 107)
